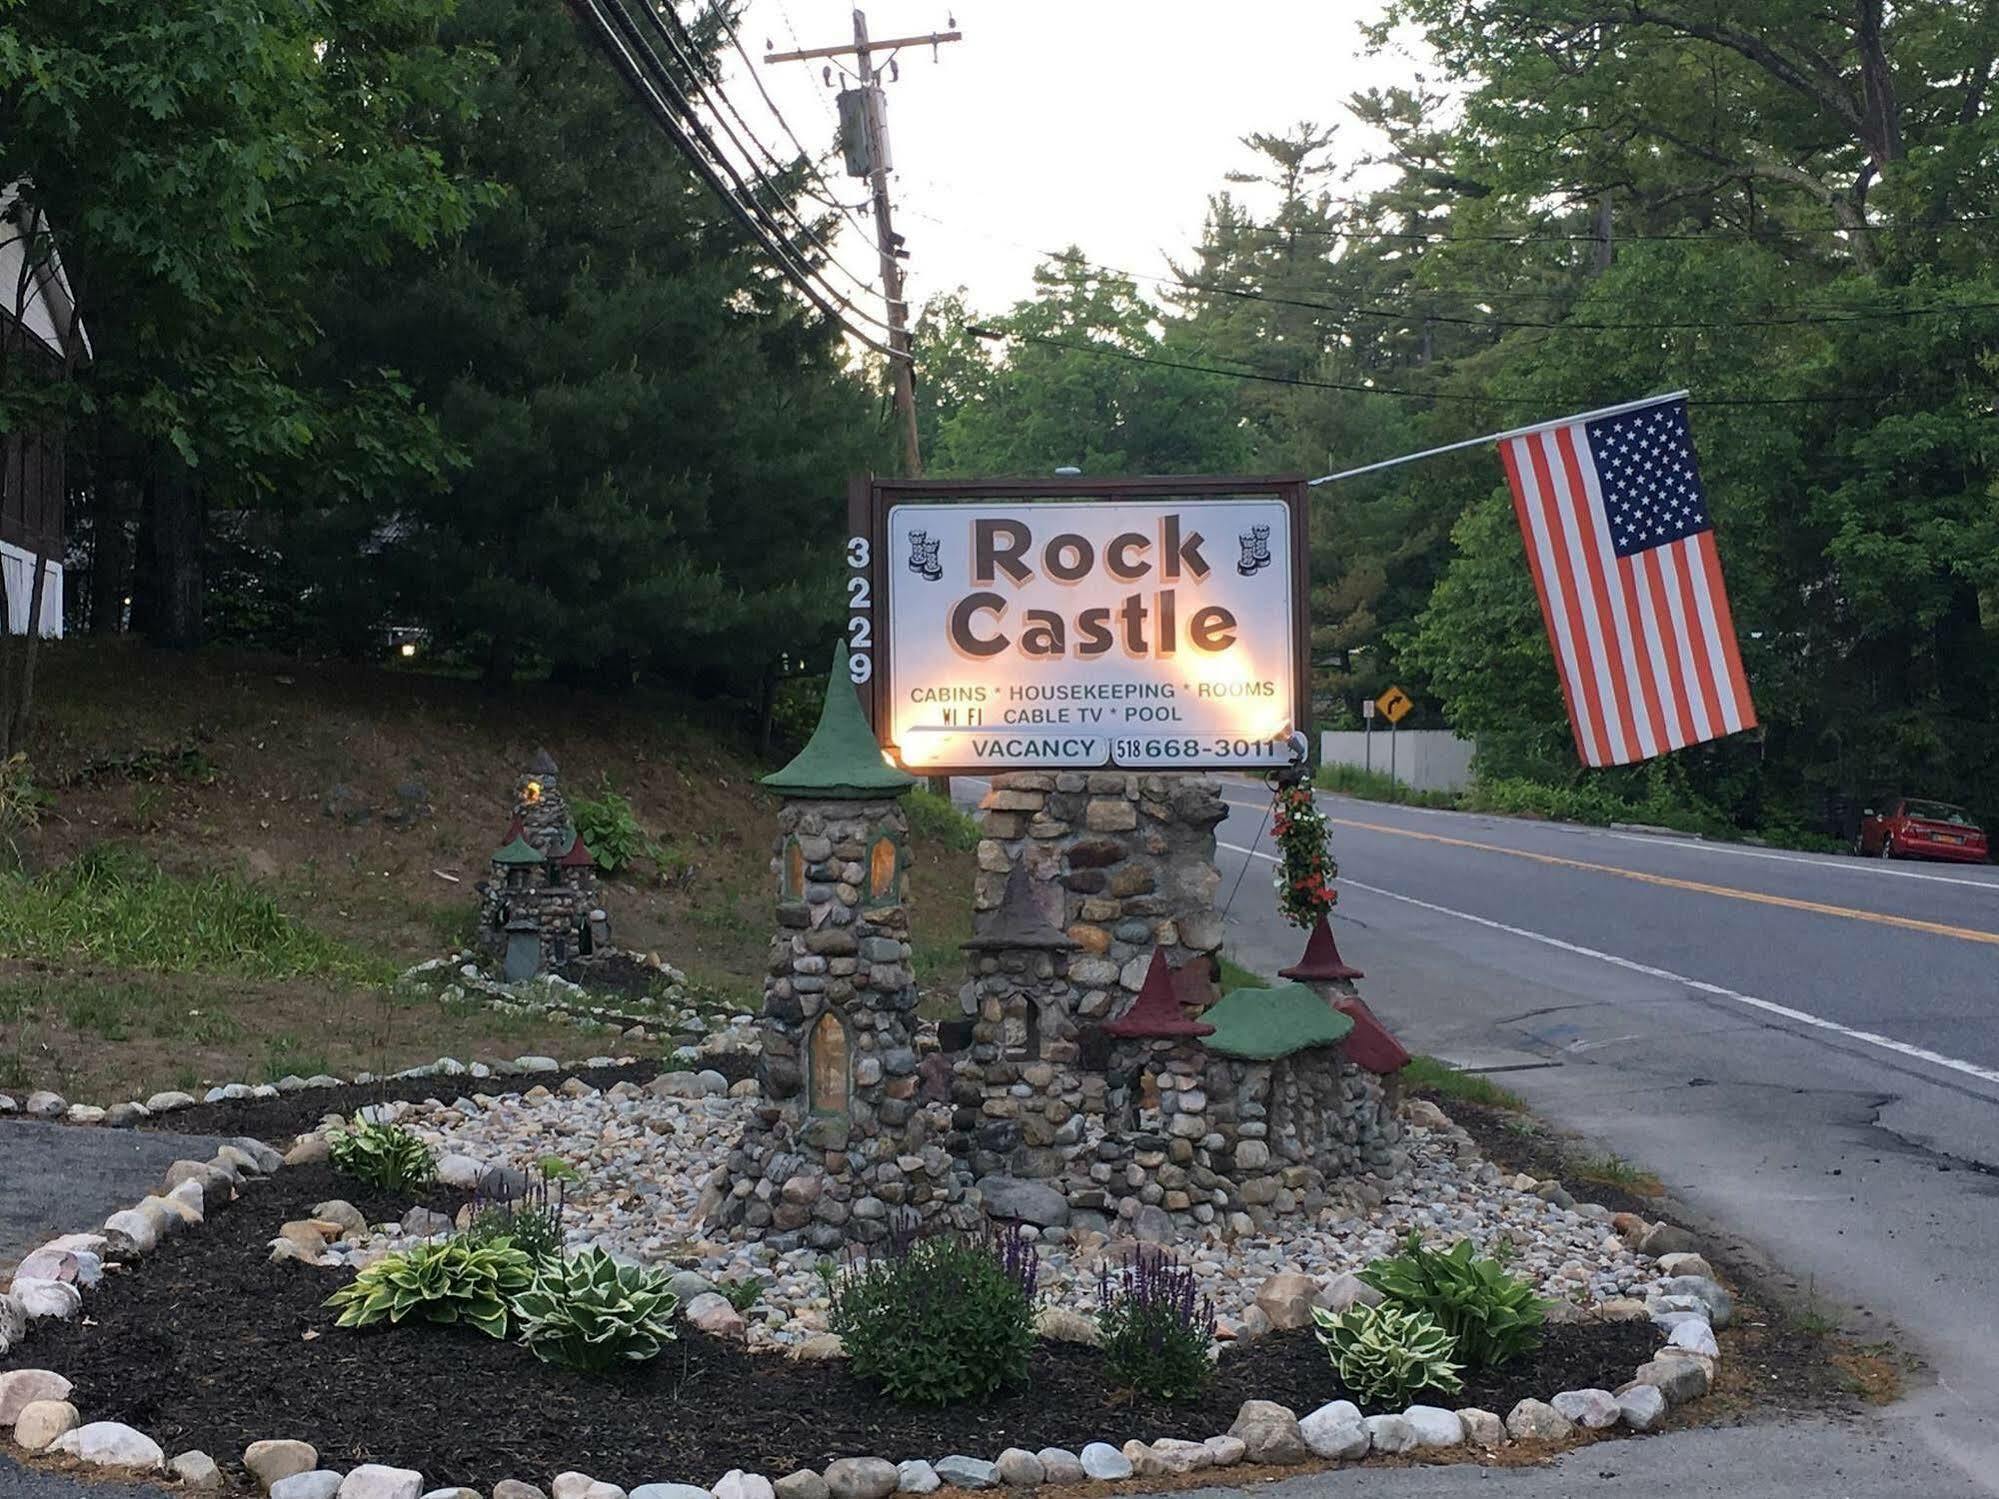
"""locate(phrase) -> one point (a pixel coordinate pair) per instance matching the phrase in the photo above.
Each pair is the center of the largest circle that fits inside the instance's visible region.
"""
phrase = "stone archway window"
(884, 870)
(830, 1077)
(792, 871)
(1020, 1029)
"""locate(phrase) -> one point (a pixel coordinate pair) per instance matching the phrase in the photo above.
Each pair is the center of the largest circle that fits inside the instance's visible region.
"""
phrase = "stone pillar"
(842, 1142)
(1133, 856)
(1020, 1096)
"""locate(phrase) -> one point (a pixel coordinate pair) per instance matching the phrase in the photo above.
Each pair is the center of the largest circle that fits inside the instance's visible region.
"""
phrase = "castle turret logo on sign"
(1156, 631)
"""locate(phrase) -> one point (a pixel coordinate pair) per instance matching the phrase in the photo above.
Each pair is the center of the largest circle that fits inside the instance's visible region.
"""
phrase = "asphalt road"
(1804, 1048)
(58, 1179)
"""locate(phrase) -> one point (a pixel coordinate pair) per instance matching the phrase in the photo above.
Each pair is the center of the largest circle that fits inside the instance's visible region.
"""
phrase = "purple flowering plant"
(1155, 1327)
(940, 1318)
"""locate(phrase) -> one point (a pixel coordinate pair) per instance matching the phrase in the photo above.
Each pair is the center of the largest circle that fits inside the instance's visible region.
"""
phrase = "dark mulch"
(1536, 1151)
(616, 973)
(279, 1120)
(206, 1344)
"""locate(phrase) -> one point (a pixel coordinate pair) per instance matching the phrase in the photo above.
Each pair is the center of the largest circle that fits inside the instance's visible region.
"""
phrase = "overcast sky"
(1103, 123)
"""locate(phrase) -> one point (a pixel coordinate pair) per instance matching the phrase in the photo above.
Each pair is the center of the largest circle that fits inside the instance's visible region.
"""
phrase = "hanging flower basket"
(1304, 881)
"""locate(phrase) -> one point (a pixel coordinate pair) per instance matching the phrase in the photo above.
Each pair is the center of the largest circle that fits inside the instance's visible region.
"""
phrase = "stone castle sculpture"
(1097, 1078)
(538, 908)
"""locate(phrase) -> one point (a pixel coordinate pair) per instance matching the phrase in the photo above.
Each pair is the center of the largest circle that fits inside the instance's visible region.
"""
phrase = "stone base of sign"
(843, 1142)
(1154, 1133)
(1133, 856)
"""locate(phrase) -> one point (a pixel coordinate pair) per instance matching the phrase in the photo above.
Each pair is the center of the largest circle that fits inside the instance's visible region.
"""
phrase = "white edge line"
(1801, 1017)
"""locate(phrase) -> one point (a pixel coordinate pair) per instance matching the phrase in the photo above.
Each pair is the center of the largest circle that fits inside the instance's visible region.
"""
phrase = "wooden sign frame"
(869, 500)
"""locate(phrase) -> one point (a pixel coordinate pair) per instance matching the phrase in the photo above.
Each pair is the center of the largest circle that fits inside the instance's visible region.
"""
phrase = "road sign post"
(1395, 705)
(1367, 735)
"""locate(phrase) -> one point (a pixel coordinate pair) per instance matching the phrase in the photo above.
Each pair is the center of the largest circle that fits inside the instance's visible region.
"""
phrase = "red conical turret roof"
(1369, 1044)
(1322, 960)
(1156, 1011)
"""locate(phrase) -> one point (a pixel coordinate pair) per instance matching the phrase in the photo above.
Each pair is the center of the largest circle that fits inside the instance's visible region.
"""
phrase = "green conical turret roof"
(1264, 1024)
(841, 760)
(518, 851)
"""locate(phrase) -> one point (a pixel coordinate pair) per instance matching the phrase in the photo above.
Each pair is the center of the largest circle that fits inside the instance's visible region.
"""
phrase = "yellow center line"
(1699, 887)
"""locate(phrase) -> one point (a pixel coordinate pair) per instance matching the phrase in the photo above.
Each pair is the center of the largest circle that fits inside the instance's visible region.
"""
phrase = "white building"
(39, 324)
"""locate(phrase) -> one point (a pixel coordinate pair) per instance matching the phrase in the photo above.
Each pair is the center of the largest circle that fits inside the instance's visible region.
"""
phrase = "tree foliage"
(1788, 208)
(405, 314)
(652, 433)
(203, 169)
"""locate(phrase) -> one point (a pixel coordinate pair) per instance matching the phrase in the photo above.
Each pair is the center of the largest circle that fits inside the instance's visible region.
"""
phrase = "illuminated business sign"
(1146, 624)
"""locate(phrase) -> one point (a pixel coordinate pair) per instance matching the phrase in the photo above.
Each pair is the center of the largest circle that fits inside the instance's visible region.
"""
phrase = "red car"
(1908, 827)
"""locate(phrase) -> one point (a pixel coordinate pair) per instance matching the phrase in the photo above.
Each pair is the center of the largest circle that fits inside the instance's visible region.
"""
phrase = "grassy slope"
(270, 738)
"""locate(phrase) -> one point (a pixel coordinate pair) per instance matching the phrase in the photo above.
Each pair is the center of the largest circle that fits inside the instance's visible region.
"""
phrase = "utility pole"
(874, 163)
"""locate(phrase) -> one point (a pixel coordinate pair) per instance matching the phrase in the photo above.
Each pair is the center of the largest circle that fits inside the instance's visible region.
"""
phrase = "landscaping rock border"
(546, 995)
(34, 1403)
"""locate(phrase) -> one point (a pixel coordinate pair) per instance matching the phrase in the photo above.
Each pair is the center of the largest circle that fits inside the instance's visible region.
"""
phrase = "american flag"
(1621, 544)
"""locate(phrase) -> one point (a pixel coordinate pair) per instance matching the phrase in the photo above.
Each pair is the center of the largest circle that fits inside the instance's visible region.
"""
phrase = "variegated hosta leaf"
(443, 1281)
(1387, 1353)
(589, 1311)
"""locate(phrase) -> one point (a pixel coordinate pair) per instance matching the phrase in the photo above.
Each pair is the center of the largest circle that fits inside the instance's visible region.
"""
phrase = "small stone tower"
(843, 1140)
(1022, 1010)
(538, 906)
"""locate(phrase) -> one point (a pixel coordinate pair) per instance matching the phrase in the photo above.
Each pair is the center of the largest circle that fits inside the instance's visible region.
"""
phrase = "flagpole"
(1475, 442)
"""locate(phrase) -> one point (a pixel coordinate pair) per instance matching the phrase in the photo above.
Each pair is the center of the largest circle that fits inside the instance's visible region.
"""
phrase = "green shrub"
(383, 1155)
(1492, 1316)
(449, 1281)
(1379, 786)
(1384, 1354)
(937, 1320)
(610, 828)
(936, 820)
(1155, 1327)
(590, 1312)
(745, 1293)
(21, 805)
(118, 909)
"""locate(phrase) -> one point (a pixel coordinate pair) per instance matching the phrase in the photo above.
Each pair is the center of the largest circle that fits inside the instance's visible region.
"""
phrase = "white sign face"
(1155, 635)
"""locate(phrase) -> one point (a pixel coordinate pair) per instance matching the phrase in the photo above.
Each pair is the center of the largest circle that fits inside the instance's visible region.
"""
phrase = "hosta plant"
(1495, 1317)
(590, 1312)
(1384, 1354)
(383, 1155)
(449, 1281)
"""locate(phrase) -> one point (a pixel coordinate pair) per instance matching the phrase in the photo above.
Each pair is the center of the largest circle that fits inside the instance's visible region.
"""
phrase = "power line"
(1392, 314)
(705, 65)
(1445, 237)
(1567, 325)
(979, 330)
(689, 56)
(1110, 351)
(792, 31)
(776, 238)
(1765, 319)
(626, 64)
(872, 147)
(721, 14)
